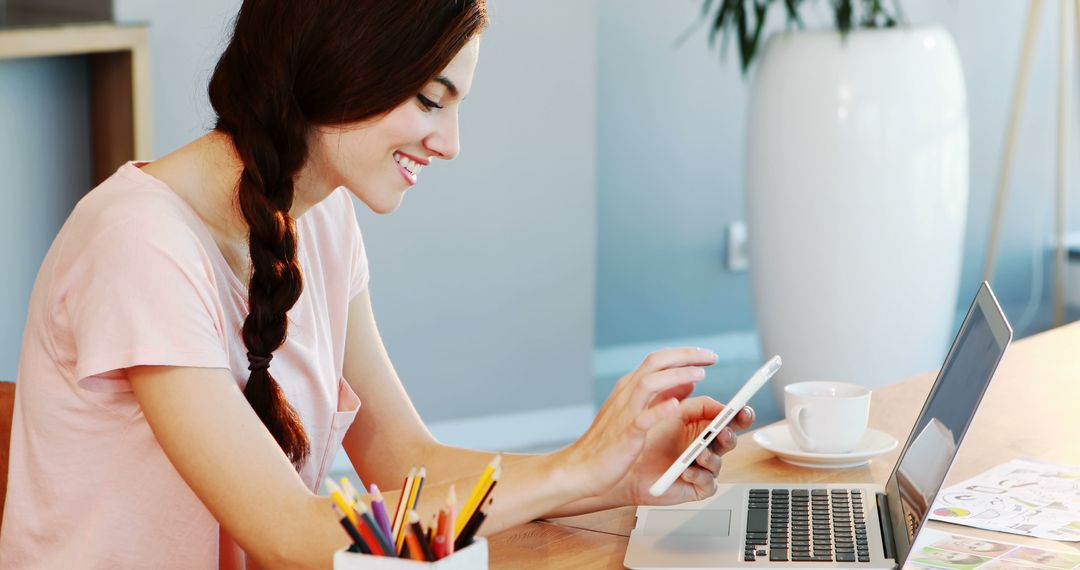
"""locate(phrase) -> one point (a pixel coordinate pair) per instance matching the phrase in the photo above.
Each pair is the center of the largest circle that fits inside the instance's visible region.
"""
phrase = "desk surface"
(1031, 409)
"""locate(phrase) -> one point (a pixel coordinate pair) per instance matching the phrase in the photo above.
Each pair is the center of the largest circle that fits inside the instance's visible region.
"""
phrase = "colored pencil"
(366, 520)
(494, 481)
(474, 498)
(416, 531)
(467, 535)
(451, 512)
(347, 486)
(409, 498)
(346, 508)
(419, 486)
(378, 508)
(399, 513)
(439, 543)
(430, 538)
(357, 538)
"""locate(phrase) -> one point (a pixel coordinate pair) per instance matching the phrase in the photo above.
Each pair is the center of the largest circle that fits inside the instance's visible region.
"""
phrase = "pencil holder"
(472, 557)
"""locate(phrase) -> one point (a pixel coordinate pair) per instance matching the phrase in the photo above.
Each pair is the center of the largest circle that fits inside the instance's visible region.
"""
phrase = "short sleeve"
(359, 276)
(142, 292)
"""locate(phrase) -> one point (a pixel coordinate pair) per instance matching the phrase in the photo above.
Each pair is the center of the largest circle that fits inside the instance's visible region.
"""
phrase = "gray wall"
(482, 282)
(670, 169)
(45, 161)
(45, 139)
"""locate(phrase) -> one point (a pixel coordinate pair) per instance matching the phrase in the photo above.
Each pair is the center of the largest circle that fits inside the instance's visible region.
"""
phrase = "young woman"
(201, 336)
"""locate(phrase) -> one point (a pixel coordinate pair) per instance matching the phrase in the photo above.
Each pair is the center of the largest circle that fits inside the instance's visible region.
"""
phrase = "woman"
(200, 334)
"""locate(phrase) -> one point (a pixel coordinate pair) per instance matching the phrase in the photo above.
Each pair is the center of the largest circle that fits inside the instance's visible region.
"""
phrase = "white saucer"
(777, 439)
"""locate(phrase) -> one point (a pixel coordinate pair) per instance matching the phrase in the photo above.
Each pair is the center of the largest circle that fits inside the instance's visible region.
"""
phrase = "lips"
(411, 166)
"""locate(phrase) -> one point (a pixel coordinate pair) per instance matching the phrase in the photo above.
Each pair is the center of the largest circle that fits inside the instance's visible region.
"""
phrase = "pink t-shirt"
(135, 278)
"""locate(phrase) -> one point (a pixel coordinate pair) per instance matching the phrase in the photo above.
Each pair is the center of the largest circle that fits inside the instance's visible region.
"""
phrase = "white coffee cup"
(826, 417)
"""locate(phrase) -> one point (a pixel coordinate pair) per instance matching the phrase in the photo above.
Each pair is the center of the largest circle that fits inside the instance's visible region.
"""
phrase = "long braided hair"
(290, 66)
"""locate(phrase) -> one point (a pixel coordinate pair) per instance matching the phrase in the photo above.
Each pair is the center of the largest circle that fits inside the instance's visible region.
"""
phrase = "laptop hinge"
(886, 526)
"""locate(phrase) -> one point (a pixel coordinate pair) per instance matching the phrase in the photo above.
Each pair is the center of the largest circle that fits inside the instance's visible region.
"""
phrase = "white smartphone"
(719, 422)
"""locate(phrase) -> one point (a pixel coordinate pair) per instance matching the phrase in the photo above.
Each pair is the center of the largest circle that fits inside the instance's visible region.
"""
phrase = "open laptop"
(836, 525)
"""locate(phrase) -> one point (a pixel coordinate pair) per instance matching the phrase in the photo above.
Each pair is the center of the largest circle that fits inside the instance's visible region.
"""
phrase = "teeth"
(411, 165)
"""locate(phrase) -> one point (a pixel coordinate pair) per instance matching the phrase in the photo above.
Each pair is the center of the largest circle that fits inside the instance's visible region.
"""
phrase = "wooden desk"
(1031, 409)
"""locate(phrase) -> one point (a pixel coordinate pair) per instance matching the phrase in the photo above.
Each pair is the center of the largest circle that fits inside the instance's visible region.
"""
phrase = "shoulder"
(127, 235)
(132, 211)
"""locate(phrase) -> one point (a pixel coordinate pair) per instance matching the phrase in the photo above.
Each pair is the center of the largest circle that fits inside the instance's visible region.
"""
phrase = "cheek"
(406, 125)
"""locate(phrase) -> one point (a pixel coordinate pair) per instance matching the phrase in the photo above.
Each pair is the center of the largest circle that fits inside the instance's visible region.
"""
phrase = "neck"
(205, 173)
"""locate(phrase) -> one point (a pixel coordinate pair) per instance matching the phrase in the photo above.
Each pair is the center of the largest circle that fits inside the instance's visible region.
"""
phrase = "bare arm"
(645, 423)
(388, 437)
(224, 453)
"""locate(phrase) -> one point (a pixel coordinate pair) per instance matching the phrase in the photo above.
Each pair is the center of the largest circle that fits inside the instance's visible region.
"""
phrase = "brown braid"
(289, 66)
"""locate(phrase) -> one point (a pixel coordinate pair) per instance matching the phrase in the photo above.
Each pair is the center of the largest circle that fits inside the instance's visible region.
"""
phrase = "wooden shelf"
(119, 56)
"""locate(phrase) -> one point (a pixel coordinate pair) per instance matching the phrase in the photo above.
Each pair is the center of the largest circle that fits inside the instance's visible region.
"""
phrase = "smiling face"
(378, 160)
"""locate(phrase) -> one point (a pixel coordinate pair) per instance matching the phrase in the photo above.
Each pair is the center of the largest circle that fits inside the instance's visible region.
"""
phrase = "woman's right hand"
(604, 455)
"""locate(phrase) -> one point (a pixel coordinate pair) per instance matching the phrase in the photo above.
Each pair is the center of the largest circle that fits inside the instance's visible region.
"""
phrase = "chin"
(382, 205)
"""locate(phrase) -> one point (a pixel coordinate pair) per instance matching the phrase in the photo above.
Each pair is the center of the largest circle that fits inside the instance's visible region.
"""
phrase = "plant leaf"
(718, 22)
(792, 7)
(744, 36)
(760, 10)
(844, 12)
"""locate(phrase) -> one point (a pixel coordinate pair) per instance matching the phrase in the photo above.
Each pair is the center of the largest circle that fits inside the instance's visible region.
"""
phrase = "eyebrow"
(448, 84)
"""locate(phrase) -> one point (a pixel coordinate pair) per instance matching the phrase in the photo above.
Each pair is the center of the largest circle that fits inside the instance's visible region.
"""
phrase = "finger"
(655, 413)
(659, 382)
(703, 479)
(679, 392)
(677, 357)
(694, 484)
(700, 408)
(710, 461)
(744, 419)
(724, 442)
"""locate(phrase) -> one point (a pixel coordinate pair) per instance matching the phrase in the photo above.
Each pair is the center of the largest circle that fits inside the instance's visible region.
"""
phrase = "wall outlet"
(738, 259)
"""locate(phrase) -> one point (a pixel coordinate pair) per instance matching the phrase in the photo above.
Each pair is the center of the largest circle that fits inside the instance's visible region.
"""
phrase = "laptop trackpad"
(688, 522)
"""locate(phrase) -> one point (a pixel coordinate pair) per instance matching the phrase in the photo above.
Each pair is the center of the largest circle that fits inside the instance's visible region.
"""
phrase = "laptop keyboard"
(804, 525)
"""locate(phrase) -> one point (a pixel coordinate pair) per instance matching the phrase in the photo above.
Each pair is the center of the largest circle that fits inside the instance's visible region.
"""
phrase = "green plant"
(746, 19)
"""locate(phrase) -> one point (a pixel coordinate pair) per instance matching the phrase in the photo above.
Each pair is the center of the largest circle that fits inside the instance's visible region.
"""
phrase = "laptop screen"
(931, 447)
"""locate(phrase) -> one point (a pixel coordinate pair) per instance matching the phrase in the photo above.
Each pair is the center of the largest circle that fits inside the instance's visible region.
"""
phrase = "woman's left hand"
(669, 438)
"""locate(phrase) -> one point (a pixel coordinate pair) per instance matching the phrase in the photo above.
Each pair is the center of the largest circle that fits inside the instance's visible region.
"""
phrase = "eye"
(428, 104)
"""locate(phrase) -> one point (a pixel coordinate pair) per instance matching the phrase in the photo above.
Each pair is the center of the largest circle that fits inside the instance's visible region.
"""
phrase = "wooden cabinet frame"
(119, 57)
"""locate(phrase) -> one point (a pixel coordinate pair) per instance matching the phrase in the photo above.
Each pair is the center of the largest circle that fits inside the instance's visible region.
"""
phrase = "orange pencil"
(416, 532)
(415, 551)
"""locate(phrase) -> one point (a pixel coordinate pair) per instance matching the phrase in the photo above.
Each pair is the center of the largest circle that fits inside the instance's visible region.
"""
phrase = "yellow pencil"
(344, 505)
(477, 495)
(411, 496)
(399, 513)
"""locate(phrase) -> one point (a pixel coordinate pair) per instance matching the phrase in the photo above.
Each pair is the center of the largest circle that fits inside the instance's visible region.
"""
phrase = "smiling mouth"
(410, 165)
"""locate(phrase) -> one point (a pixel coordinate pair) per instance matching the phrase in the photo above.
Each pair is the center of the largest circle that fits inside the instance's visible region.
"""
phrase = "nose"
(443, 141)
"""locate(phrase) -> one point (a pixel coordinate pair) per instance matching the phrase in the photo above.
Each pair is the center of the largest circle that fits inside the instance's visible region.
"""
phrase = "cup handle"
(796, 425)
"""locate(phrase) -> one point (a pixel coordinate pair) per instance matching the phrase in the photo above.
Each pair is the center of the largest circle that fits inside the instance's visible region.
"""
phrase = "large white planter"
(857, 187)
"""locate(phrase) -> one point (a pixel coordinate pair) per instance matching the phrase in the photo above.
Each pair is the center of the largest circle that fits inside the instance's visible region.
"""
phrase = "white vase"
(857, 189)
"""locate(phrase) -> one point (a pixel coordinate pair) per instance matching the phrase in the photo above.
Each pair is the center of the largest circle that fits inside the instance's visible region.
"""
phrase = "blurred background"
(597, 211)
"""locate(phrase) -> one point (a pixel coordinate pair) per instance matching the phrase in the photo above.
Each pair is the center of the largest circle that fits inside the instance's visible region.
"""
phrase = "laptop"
(836, 525)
